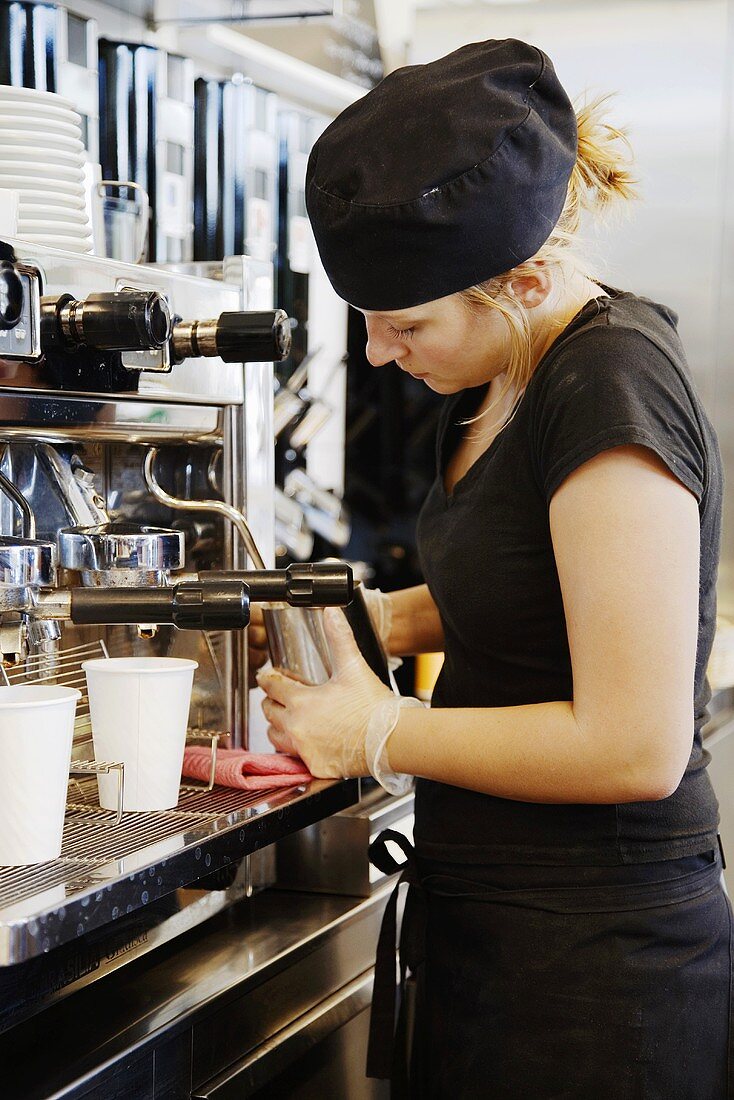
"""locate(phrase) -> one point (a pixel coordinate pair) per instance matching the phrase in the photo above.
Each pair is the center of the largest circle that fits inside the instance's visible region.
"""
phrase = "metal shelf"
(106, 870)
(253, 11)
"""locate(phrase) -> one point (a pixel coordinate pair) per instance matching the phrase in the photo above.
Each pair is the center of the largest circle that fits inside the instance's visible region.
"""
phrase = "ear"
(532, 288)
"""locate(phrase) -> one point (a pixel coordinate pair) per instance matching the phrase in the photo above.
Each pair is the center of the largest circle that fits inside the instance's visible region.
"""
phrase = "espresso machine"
(137, 518)
(125, 441)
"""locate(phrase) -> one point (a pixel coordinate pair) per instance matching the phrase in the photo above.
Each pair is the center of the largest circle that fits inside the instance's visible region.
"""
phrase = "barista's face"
(444, 343)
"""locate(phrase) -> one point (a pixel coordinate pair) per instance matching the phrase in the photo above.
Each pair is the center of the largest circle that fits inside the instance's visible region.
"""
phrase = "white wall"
(667, 63)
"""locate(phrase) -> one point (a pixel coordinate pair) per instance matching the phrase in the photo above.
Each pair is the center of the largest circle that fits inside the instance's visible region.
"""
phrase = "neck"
(560, 309)
(548, 321)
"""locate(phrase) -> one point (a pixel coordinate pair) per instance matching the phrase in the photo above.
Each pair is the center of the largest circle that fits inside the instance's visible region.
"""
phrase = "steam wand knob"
(127, 320)
(252, 336)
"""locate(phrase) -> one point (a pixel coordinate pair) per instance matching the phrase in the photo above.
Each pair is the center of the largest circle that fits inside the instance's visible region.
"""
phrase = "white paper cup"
(139, 708)
(36, 730)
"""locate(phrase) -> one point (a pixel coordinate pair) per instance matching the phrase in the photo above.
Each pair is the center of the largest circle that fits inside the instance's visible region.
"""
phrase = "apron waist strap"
(381, 1052)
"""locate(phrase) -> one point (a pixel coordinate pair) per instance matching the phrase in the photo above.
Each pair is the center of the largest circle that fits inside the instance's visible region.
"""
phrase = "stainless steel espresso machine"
(136, 517)
(124, 474)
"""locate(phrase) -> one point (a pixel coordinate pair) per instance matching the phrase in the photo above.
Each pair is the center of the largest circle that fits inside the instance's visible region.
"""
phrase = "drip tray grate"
(114, 863)
(18, 884)
(92, 839)
(109, 868)
(96, 848)
(62, 668)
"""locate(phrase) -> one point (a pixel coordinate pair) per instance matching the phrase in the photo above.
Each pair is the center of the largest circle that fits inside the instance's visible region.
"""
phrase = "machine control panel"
(20, 297)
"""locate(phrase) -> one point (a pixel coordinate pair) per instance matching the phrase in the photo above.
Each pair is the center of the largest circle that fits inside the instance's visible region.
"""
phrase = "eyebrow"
(393, 317)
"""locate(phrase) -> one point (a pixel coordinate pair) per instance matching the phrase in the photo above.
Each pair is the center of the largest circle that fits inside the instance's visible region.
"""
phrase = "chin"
(439, 385)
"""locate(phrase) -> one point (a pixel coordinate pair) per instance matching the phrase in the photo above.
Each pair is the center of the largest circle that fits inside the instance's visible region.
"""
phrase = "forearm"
(533, 753)
(416, 624)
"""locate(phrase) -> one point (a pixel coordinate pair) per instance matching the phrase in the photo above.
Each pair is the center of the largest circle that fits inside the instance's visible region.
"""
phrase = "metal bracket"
(331, 9)
(81, 768)
(198, 788)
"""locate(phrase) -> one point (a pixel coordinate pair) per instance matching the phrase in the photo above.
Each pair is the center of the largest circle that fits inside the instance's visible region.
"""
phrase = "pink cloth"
(249, 771)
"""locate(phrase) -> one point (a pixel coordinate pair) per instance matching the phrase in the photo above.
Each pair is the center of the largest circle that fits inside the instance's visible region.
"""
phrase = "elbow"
(651, 788)
(642, 761)
(652, 778)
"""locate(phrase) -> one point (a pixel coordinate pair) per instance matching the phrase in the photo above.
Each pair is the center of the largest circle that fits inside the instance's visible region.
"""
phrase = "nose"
(381, 347)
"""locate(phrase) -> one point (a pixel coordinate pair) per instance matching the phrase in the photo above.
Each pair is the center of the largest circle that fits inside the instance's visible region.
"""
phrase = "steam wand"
(230, 513)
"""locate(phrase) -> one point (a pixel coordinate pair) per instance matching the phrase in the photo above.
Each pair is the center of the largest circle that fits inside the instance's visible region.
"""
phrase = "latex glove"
(379, 606)
(327, 725)
(257, 642)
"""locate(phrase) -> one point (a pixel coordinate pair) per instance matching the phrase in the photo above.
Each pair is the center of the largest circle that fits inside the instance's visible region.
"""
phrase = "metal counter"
(219, 1013)
(107, 870)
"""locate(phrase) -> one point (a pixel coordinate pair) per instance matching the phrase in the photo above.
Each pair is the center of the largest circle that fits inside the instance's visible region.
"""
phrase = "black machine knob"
(11, 296)
(303, 584)
(129, 320)
(255, 336)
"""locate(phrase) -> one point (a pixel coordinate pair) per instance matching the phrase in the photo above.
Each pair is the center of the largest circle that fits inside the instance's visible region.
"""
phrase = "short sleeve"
(609, 387)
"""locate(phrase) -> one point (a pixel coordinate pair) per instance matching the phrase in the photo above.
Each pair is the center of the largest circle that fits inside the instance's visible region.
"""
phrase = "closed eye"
(401, 333)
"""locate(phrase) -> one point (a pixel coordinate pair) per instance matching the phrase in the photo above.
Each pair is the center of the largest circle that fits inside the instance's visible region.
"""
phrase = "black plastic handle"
(303, 584)
(210, 605)
(126, 320)
(254, 337)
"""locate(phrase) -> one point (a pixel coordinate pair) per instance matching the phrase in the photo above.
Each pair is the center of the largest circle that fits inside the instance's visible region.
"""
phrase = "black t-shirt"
(616, 375)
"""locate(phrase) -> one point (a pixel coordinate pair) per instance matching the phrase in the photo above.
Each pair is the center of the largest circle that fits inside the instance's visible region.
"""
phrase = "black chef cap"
(442, 176)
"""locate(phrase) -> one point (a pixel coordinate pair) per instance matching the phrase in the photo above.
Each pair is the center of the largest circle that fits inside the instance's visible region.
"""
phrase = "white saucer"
(24, 138)
(30, 154)
(30, 198)
(53, 228)
(68, 244)
(12, 122)
(40, 111)
(34, 95)
(12, 169)
(51, 212)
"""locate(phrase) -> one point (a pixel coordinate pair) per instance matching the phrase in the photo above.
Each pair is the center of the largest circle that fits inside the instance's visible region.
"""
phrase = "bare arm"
(626, 540)
(416, 625)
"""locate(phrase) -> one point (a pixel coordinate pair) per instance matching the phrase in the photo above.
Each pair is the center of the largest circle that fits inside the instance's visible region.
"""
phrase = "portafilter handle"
(11, 295)
(187, 605)
(217, 601)
(303, 584)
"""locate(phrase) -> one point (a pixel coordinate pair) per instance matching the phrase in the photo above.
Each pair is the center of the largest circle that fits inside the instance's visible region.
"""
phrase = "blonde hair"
(600, 179)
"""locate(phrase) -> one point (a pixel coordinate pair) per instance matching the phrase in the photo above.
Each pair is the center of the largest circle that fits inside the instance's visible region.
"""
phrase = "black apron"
(555, 983)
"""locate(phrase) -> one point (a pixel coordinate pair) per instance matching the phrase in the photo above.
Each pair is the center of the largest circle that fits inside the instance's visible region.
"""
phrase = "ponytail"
(601, 175)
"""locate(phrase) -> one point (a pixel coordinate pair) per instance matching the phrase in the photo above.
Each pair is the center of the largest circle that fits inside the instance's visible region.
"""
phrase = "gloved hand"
(379, 606)
(327, 725)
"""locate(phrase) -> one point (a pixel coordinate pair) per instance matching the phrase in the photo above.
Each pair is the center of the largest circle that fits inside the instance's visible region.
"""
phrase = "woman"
(567, 928)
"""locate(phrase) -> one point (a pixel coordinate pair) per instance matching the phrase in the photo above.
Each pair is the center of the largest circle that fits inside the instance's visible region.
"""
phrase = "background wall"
(669, 63)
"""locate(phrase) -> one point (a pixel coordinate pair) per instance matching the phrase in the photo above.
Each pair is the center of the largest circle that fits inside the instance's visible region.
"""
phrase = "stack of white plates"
(42, 158)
